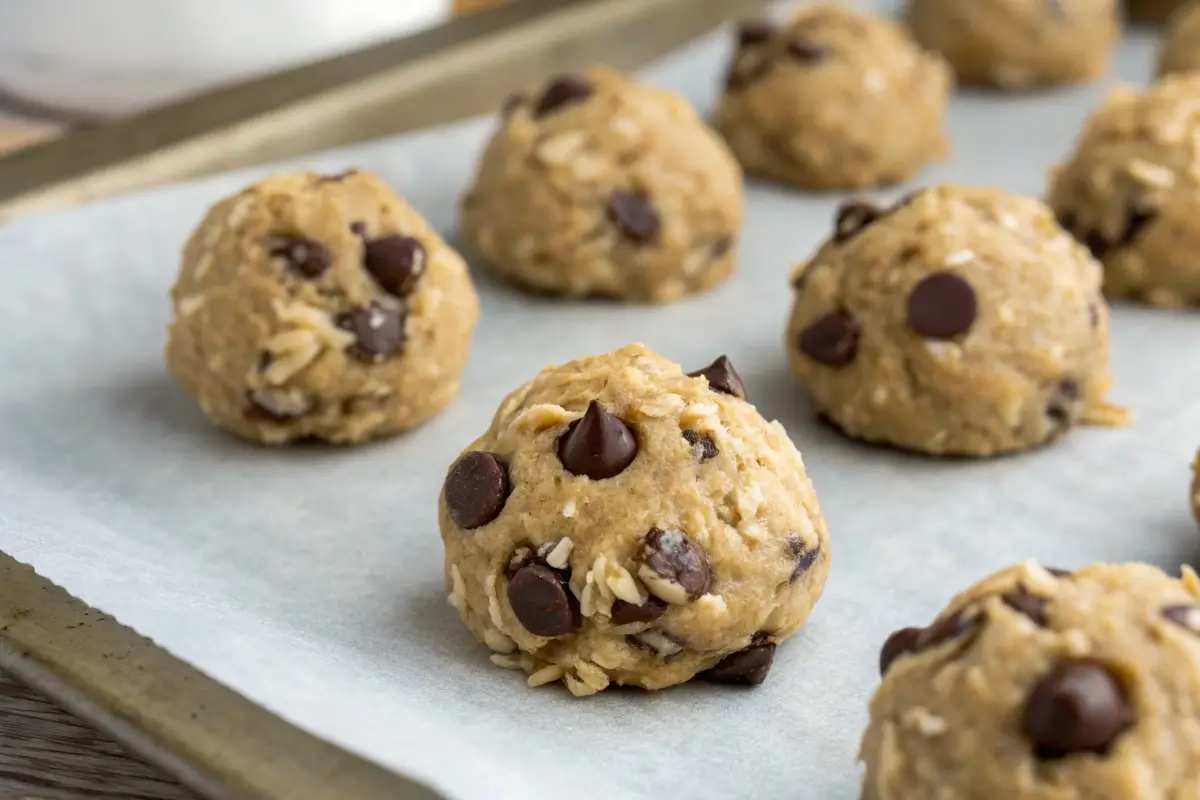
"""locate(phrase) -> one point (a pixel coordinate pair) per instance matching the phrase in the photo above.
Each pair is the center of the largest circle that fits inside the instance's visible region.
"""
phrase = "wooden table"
(45, 753)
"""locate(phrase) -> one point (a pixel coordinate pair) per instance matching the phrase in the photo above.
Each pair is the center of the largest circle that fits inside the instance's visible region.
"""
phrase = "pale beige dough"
(281, 332)
(594, 185)
(806, 103)
(962, 321)
(748, 509)
(1131, 191)
(1019, 44)
(1180, 50)
(960, 715)
(1153, 10)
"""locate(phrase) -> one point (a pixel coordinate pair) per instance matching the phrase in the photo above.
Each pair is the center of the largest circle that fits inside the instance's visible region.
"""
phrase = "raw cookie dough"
(1153, 10)
(1041, 684)
(1019, 44)
(1131, 191)
(836, 99)
(1181, 44)
(960, 321)
(624, 523)
(319, 306)
(597, 186)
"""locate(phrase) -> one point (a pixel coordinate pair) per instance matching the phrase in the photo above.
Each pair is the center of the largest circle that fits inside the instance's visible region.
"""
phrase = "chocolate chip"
(942, 306)
(562, 91)
(1063, 406)
(634, 215)
(747, 667)
(1186, 616)
(378, 331)
(902, 642)
(276, 406)
(807, 52)
(1138, 220)
(476, 489)
(755, 32)
(852, 217)
(598, 444)
(1066, 220)
(310, 259)
(624, 613)
(832, 340)
(708, 448)
(1080, 706)
(675, 558)
(359, 229)
(805, 556)
(722, 377)
(945, 629)
(1024, 602)
(542, 602)
(1097, 244)
(396, 262)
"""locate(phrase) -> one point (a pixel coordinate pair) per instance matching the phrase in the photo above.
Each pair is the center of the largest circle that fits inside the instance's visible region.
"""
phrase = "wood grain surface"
(47, 754)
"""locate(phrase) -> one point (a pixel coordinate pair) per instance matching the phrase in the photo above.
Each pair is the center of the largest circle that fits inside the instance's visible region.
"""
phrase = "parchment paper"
(310, 579)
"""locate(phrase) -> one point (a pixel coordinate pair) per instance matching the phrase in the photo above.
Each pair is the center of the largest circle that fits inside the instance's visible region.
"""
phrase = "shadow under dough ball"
(1019, 44)
(594, 185)
(1086, 676)
(572, 552)
(319, 307)
(935, 326)
(806, 103)
(1130, 191)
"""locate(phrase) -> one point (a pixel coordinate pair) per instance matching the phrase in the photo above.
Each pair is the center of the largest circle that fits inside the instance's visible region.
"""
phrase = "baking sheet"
(310, 579)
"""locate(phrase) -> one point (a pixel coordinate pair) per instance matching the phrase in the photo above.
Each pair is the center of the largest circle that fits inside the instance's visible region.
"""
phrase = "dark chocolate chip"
(396, 262)
(1063, 406)
(542, 602)
(942, 306)
(476, 489)
(722, 377)
(598, 444)
(945, 629)
(624, 613)
(673, 556)
(902, 642)
(804, 555)
(708, 448)
(306, 257)
(378, 331)
(265, 359)
(562, 91)
(748, 667)
(267, 406)
(634, 214)
(755, 32)
(832, 340)
(807, 52)
(1138, 220)
(511, 104)
(1025, 602)
(1097, 244)
(359, 229)
(1186, 616)
(852, 217)
(1080, 706)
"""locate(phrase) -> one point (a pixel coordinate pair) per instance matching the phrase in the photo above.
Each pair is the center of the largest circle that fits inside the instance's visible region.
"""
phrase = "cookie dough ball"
(1019, 44)
(1153, 11)
(1131, 191)
(597, 186)
(313, 306)
(809, 104)
(961, 321)
(622, 522)
(1044, 685)
(1181, 46)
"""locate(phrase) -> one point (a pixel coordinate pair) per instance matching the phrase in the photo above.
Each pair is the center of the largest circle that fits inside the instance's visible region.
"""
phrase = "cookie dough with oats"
(1019, 44)
(319, 306)
(806, 103)
(1153, 10)
(595, 185)
(1131, 191)
(1181, 43)
(1042, 684)
(961, 321)
(622, 522)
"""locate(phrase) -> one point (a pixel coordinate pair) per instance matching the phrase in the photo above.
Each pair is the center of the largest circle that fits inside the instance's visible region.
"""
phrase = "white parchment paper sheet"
(310, 579)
